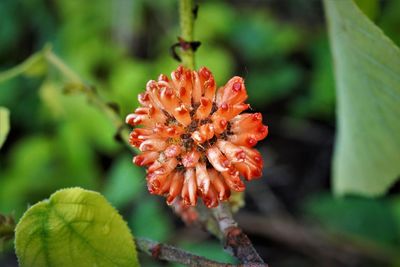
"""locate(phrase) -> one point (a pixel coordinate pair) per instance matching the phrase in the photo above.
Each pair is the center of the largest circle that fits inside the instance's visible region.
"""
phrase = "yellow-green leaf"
(75, 227)
(4, 124)
(367, 70)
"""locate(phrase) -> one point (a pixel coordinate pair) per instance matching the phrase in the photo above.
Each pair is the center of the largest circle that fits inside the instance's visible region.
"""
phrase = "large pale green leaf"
(4, 124)
(367, 69)
(75, 227)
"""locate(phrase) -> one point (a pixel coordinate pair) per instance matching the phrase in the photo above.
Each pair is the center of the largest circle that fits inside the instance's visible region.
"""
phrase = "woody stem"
(235, 240)
(186, 23)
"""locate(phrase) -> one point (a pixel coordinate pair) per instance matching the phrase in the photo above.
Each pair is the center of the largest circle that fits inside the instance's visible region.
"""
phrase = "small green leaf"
(4, 124)
(75, 227)
(367, 68)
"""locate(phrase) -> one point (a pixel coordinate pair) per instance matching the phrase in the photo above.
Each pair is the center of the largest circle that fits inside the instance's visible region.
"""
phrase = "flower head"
(194, 141)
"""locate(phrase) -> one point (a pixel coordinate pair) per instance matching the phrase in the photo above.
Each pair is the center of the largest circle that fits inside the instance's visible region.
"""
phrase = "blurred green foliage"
(58, 140)
(371, 219)
(4, 124)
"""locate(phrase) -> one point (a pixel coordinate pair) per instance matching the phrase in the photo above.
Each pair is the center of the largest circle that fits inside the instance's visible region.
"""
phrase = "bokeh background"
(280, 48)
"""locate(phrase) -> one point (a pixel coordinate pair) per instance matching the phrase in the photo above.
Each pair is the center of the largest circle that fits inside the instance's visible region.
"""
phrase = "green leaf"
(4, 124)
(75, 227)
(367, 69)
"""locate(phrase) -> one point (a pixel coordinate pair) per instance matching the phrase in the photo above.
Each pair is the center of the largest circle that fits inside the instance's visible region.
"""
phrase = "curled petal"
(172, 151)
(253, 156)
(234, 92)
(164, 131)
(232, 179)
(228, 112)
(244, 139)
(176, 187)
(138, 119)
(220, 186)
(153, 92)
(163, 78)
(202, 178)
(207, 82)
(138, 135)
(219, 124)
(251, 168)
(182, 115)
(155, 182)
(158, 174)
(197, 88)
(164, 168)
(169, 99)
(231, 151)
(205, 132)
(203, 111)
(182, 81)
(177, 74)
(210, 198)
(146, 116)
(156, 115)
(146, 158)
(248, 170)
(185, 95)
(189, 190)
(219, 161)
(153, 145)
(190, 159)
(144, 99)
(246, 122)
(167, 184)
(249, 138)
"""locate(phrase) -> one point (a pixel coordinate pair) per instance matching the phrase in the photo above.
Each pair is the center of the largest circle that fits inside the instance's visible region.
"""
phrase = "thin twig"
(169, 253)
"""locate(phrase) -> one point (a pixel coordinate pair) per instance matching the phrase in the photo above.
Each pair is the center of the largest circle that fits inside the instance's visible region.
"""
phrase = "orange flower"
(193, 139)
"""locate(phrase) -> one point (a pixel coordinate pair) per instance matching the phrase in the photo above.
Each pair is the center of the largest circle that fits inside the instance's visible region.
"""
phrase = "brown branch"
(235, 240)
(169, 253)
